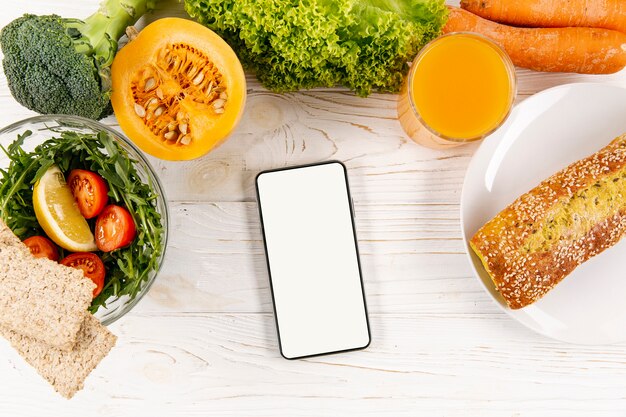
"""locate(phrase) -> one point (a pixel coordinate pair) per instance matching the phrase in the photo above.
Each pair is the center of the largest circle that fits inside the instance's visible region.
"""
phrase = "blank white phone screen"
(313, 260)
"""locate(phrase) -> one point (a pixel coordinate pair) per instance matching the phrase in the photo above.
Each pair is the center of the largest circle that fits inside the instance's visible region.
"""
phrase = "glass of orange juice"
(460, 88)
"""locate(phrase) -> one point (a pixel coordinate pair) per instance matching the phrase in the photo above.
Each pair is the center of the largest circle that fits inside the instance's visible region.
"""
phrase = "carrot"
(571, 49)
(606, 14)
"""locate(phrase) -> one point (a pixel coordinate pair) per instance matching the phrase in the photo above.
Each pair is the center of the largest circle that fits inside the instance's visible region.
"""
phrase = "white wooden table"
(203, 342)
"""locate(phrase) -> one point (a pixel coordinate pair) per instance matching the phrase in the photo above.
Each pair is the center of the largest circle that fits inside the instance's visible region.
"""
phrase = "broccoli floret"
(60, 65)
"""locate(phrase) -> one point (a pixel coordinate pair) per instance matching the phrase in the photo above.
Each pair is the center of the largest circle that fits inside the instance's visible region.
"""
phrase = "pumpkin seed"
(191, 72)
(219, 103)
(151, 102)
(141, 112)
(150, 84)
(159, 111)
(198, 78)
(176, 63)
(185, 140)
(183, 128)
(161, 125)
(210, 87)
(172, 135)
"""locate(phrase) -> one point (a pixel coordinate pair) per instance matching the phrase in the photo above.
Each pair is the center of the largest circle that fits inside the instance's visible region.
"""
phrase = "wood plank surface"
(203, 342)
(430, 364)
(413, 261)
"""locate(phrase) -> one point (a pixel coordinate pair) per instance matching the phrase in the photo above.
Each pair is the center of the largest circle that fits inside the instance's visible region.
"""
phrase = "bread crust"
(523, 277)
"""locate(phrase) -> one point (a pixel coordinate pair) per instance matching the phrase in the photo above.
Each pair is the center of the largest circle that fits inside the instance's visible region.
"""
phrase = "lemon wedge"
(58, 214)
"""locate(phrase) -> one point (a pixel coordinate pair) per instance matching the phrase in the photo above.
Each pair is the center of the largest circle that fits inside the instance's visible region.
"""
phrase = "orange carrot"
(571, 49)
(606, 14)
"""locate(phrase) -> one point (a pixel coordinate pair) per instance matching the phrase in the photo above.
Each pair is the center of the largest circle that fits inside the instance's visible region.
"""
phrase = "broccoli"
(62, 65)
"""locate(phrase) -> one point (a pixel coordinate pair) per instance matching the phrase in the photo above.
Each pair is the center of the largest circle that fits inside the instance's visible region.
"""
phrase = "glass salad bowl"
(51, 126)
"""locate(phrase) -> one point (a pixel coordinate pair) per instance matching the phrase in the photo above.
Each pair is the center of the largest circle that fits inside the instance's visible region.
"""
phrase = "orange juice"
(460, 88)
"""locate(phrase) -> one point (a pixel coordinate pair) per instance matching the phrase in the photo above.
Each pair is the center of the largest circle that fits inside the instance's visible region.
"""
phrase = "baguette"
(540, 238)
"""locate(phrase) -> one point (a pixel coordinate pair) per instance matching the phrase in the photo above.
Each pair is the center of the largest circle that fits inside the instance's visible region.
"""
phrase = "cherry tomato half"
(115, 228)
(90, 192)
(42, 247)
(91, 265)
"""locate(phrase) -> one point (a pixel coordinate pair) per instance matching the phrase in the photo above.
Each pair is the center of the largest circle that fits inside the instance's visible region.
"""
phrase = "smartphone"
(307, 218)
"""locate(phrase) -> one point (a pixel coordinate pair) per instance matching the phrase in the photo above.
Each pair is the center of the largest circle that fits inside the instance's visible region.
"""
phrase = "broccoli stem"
(105, 27)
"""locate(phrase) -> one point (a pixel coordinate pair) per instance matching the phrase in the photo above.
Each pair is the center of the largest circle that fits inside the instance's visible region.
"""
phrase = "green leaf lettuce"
(292, 44)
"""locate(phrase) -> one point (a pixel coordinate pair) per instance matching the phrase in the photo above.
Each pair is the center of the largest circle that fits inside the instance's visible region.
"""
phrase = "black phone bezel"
(356, 248)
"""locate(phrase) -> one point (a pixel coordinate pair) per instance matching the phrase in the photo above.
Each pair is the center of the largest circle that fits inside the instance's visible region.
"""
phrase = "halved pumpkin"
(178, 89)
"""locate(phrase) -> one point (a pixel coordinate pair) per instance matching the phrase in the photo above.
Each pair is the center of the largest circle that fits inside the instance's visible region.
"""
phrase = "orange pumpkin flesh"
(178, 89)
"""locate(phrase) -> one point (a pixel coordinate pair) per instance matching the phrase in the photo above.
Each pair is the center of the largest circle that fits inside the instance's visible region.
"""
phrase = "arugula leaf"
(127, 268)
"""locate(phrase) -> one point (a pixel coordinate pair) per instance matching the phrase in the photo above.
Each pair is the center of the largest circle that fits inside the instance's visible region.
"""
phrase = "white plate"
(544, 134)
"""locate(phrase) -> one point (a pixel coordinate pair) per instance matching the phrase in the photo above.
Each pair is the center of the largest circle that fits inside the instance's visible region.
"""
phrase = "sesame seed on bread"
(577, 213)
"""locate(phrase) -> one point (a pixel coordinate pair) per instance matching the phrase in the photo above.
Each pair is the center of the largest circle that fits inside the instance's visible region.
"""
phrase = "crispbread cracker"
(8, 238)
(66, 370)
(40, 298)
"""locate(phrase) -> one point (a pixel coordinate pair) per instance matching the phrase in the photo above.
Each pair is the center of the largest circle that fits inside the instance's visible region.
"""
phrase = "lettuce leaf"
(364, 45)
